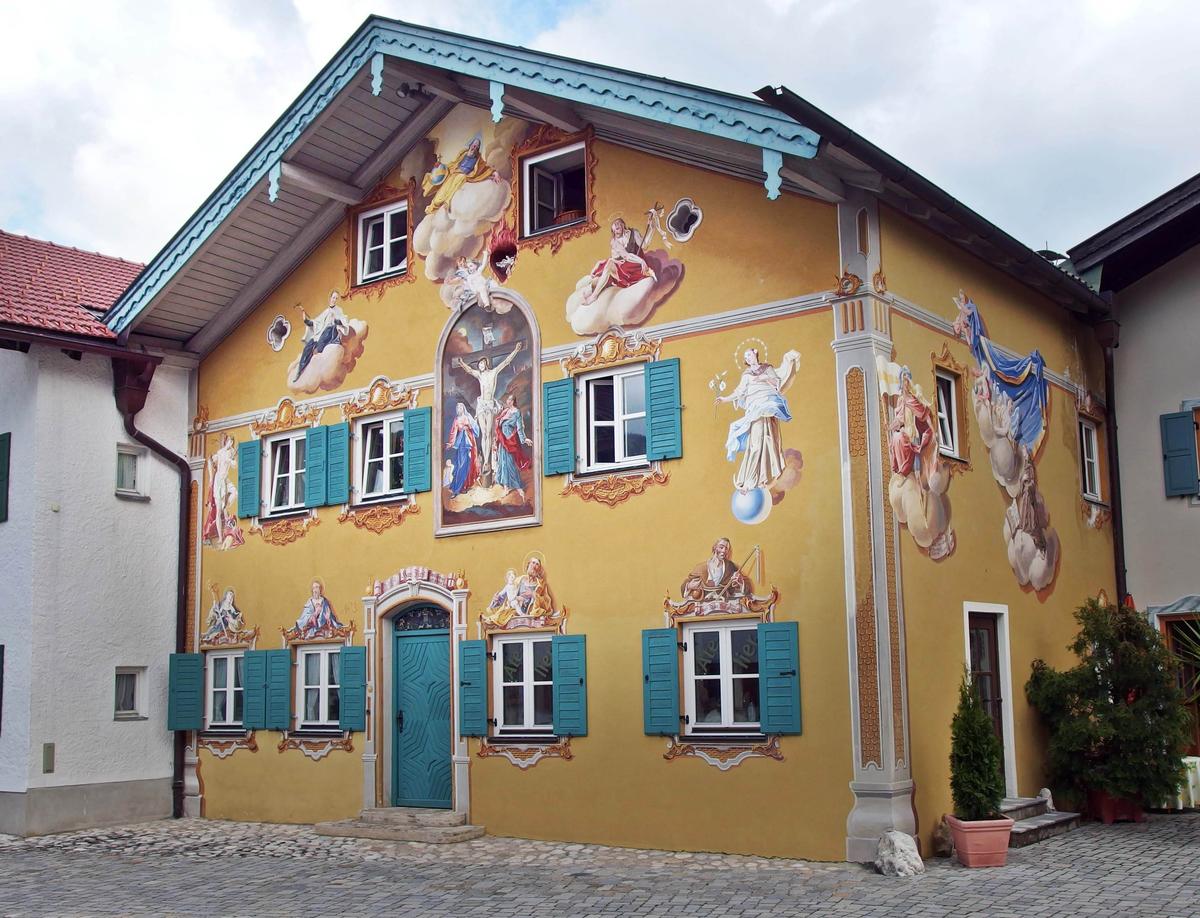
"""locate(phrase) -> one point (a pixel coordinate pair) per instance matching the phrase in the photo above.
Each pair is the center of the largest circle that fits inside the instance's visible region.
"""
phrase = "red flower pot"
(1108, 809)
(981, 843)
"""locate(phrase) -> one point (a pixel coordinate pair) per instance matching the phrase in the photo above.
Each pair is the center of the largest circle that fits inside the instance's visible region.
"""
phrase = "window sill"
(224, 732)
(546, 230)
(317, 732)
(283, 514)
(132, 495)
(618, 470)
(129, 717)
(385, 499)
(375, 279)
(724, 739)
(528, 739)
(1095, 502)
(953, 457)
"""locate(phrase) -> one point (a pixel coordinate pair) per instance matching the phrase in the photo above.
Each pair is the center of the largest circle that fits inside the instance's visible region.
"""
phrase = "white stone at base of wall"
(44, 810)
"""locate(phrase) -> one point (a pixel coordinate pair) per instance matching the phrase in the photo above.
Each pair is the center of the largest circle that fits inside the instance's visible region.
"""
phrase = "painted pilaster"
(882, 784)
(193, 799)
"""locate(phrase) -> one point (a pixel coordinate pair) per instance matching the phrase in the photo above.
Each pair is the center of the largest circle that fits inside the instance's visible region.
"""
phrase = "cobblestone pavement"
(198, 867)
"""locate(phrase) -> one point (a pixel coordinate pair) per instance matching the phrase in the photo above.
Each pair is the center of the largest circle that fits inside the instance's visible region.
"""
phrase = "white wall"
(1157, 367)
(18, 398)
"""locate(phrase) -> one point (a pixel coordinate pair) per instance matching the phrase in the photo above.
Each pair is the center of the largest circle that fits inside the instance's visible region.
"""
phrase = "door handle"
(399, 721)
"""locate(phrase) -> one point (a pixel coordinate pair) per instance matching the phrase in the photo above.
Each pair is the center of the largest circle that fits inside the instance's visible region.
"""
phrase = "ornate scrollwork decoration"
(614, 489)
(762, 607)
(613, 346)
(848, 284)
(377, 518)
(286, 530)
(314, 748)
(381, 395)
(224, 748)
(879, 282)
(287, 415)
(526, 756)
(725, 757)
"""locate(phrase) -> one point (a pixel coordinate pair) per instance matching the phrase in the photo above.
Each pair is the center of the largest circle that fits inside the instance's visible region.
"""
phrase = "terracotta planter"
(981, 843)
(1109, 809)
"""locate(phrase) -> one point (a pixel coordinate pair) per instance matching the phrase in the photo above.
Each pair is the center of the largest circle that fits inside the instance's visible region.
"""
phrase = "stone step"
(1018, 808)
(412, 816)
(382, 831)
(1033, 829)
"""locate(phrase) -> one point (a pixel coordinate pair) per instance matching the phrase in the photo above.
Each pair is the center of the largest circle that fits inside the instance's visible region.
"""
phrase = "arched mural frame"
(534, 430)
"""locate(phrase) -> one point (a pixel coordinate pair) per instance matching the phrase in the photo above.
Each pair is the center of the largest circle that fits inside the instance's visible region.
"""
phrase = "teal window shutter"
(185, 692)
(558, 426)
(664, 429)
(278, 690)
(5, 454)
(418, 442)
(1180, 475)
(337, 464)
(569, 662)
(254, 689)
(316, 446)
(779, 677)
(352, 693)
(660, 681)
(249, 460)
(472, 688)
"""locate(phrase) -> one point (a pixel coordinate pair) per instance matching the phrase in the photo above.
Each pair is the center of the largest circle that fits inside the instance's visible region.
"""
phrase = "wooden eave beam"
(554, 112)
(307, 179)
(434, 82)
(818, 182)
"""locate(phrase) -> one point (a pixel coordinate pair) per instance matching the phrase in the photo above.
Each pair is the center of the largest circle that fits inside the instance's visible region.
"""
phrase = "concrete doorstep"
(411, 824)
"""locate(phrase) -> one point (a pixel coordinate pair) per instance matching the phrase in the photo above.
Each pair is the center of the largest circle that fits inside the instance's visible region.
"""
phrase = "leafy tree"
(1116, 719)
(975, 759)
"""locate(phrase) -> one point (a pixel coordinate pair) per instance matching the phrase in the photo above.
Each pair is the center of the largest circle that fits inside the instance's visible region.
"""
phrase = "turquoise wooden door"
(421, 719)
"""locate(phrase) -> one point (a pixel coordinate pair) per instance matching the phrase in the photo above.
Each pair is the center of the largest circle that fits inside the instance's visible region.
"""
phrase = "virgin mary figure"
(462, 442)
(756, 433)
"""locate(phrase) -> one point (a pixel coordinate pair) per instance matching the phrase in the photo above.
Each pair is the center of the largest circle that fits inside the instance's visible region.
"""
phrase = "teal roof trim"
(746, 120)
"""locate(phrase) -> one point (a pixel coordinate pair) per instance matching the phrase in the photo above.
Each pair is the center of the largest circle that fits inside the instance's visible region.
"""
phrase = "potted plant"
(1116, 719)
(980, 831)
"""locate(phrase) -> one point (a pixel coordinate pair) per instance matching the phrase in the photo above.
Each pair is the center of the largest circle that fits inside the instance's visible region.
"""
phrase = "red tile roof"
(58, 288)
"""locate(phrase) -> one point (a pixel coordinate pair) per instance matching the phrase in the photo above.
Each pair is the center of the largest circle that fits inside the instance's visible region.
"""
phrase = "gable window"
(128, 704)
(721, 688)
(1089, 459)
(612, 419)
(130, 472)
(285, 479)
(319, 687)
(947, 413)
(224, 690)
(382, 242)
(523, 677)
(380, 466)
(553, 189)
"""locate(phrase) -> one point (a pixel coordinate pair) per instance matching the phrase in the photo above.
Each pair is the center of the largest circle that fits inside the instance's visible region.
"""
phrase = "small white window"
(318, 686)
(1089, 461)
(523, 684)
(553, 191)
(721, 692)
(284, 481)
(947, 413)
(380, 458)
(131, 472)
(224, 690)
(128, 703)
(612, 419)
(382, 242)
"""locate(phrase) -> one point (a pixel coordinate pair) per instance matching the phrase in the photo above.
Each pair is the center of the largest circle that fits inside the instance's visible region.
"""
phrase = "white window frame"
(268, 480)
(727, 725)
(323, 685)
(528, 187)
(139, 693)
(947, 413)
(139, 491)
(210, 658)
(585, 427)
(1089, 436)
(361, 496)
(527, 727)
(363, 276)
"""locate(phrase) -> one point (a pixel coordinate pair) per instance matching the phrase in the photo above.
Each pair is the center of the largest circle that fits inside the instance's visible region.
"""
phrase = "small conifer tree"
(975, 759)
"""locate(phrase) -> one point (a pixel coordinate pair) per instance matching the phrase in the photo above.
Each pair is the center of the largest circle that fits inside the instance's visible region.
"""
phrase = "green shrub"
(976, 782)
(1116, 719)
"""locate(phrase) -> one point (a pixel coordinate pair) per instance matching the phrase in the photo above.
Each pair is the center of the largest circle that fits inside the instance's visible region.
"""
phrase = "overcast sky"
(1052, 119)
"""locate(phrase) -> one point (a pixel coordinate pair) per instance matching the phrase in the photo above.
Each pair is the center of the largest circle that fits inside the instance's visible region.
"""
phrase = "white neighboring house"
(89, 522)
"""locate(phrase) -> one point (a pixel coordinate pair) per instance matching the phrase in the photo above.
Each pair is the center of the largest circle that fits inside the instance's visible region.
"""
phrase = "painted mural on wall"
(330, 347)
(225, 626)
(1011, 399)
(525, 601)
(920, 479)
(486, 456)
(766, 470)
(221, 528)
(317, 620)
(720, 585)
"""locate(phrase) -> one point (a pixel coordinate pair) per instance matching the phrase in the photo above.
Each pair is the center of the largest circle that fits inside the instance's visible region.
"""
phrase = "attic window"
(382, 242)
(553, 189)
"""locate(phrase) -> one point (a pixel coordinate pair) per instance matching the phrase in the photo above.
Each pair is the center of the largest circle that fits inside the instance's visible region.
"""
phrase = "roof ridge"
(71, 248)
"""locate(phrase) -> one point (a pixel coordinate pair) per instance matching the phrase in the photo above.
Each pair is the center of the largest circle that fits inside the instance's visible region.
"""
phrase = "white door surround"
(1004, 657)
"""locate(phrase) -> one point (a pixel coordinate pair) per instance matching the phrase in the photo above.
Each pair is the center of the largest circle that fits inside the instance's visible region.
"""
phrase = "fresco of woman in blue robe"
(462, 447)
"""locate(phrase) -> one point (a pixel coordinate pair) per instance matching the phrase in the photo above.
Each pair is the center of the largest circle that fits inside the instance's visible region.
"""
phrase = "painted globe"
(751, 506)
(438, 174)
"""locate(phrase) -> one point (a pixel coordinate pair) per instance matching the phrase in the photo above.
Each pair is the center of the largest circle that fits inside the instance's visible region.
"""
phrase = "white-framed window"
(131, 475)
(947, 412)
(129, 700)
(720, 684)
(284, 481)
(611, 419)
(318, 686)
(224, 691)
(1089, 459)
(379, 458)
(383, 242)
(523, 684)
(553, 189)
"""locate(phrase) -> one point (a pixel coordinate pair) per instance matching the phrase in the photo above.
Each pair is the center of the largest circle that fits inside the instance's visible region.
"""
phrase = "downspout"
(1107, 334)
(131, 385)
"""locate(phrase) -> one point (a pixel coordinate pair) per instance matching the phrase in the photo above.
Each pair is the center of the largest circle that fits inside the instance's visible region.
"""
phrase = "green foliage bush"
(1116, 719)
(976, 757)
